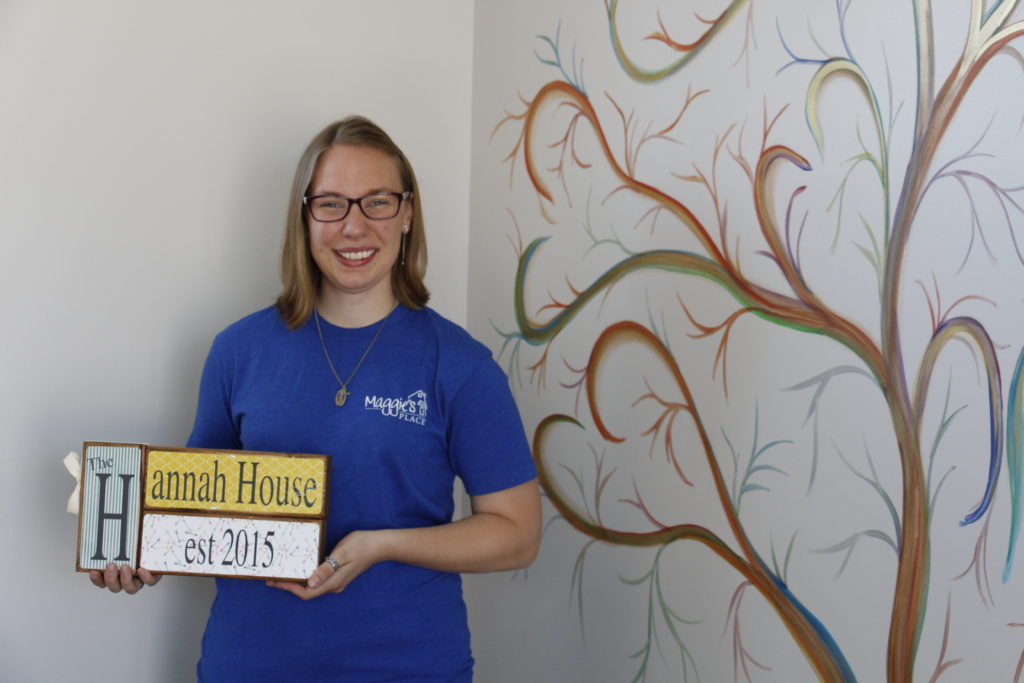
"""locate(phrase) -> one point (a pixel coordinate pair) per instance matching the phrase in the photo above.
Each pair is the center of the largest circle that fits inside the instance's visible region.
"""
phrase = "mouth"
(356, 256)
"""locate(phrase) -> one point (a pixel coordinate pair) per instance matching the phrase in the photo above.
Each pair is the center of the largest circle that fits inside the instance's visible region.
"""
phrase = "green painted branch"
(647, 76)
(776, 307)
(840, 328)
(807, 637)
(768, 305)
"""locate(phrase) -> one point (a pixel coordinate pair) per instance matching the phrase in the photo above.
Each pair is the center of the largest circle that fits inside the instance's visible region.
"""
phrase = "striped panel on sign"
(110, 506)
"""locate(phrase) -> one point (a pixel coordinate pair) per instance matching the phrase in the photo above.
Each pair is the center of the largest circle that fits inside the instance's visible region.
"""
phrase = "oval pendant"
(341, 397)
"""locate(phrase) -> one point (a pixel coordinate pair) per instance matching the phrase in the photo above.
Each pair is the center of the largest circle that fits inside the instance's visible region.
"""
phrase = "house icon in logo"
(419, 398)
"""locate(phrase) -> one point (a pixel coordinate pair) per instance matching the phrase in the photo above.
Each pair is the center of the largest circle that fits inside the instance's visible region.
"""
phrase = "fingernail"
(314, 581)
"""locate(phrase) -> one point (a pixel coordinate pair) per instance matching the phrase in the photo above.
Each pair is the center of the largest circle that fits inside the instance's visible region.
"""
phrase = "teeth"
(357, 255)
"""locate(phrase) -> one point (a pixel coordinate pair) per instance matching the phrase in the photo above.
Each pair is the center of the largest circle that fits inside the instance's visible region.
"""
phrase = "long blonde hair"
(299, 272)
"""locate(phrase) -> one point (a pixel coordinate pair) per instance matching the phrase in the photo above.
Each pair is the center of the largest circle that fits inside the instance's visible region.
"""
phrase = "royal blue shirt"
(428, 404)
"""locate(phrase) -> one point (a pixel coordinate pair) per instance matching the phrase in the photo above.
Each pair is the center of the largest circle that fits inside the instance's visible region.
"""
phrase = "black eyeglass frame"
(358, 201)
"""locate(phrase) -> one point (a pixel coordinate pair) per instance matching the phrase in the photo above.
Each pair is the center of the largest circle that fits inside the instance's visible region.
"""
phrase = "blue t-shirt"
(428, 404)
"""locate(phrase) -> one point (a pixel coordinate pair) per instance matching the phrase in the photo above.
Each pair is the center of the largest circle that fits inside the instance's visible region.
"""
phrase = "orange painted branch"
(792, 311)
(817, 647)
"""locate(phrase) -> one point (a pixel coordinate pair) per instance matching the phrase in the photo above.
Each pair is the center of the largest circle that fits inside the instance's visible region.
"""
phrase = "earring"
(403, 248)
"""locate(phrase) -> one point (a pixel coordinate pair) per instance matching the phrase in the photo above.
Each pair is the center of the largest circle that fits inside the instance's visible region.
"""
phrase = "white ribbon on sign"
(74, 465)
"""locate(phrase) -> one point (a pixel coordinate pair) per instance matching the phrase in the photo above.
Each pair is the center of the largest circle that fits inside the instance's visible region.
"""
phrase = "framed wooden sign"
(203, 512)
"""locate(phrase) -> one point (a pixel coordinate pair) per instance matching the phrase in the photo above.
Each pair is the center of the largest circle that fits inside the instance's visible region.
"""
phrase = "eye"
(379, 201)
(330, 203)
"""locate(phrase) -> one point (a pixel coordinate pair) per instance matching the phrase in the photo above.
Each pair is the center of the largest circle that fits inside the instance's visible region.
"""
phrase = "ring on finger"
(332, 562)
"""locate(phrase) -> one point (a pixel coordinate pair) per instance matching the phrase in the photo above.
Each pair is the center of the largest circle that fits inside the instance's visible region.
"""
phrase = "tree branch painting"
(672, 233)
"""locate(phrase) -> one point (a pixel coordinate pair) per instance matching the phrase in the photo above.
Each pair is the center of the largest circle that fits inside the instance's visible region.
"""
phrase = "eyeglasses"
(328, 208)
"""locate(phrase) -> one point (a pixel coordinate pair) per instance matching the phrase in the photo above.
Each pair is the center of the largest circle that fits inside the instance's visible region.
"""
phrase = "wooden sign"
(205, 512)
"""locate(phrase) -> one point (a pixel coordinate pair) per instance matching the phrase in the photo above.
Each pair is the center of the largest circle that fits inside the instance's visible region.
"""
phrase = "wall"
(724, 250)
(147, 152)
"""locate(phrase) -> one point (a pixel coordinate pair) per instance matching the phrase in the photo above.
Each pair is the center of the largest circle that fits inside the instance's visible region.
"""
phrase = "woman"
(351, 364)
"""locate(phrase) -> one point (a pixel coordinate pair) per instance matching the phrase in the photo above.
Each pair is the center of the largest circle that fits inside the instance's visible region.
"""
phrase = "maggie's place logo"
(412, 408)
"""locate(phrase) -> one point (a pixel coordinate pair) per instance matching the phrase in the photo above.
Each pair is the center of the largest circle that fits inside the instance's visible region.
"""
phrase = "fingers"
(148, 578)
(351, 557)
(115, 579)
(129, 582)
(296, 589)
(324, 572)
(111, 578)
(325, 579)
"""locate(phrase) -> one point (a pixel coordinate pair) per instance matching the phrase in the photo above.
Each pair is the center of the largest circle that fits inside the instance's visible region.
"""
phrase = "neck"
(354, 310)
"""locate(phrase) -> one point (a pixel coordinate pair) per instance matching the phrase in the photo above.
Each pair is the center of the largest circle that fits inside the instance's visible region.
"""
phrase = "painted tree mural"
(701, 259)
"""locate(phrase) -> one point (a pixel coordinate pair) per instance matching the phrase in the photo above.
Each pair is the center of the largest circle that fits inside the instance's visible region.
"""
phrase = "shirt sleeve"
(488, 446)
(214, 425)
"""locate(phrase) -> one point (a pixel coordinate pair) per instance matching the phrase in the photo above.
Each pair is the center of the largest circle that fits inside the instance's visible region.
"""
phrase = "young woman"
(350, 363)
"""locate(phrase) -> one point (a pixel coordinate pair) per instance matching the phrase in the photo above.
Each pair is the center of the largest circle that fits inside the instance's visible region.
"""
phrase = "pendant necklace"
(343, 393)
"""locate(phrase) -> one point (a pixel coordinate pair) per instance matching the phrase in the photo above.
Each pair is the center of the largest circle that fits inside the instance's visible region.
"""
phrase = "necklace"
(343, 393)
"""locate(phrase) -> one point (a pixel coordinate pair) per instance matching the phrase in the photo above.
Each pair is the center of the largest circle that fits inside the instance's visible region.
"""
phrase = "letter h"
(122, 517)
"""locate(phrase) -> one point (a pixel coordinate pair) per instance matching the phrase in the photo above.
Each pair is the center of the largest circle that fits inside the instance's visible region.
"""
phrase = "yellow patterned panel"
(238, 482)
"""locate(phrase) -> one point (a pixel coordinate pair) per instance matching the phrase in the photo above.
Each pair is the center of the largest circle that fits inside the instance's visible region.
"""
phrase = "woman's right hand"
(117, 579)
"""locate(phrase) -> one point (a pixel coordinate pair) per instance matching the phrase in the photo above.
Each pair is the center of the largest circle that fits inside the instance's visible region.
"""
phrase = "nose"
(355, 223)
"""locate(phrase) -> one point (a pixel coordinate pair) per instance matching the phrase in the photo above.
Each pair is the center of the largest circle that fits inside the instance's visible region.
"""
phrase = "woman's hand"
(117, 579)
(503, 532)
(356, 553)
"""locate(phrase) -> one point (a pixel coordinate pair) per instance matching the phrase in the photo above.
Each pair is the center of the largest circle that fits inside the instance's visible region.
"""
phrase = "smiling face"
(355, 255)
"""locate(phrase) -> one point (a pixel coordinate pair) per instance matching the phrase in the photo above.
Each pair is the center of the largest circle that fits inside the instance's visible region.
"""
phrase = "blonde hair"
(299, 273)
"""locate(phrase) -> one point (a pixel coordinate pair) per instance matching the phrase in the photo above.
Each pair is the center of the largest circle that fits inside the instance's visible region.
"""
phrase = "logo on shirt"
(412, 408)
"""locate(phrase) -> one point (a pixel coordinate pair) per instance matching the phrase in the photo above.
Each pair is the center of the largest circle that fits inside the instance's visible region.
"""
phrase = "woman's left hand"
(503, 532)
(354, 554)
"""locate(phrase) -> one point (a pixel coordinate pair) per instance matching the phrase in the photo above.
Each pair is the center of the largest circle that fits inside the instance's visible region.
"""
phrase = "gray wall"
(147, 153)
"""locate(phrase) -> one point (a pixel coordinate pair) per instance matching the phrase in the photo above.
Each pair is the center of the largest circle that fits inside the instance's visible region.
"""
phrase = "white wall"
(145, 154)
(822, 510)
